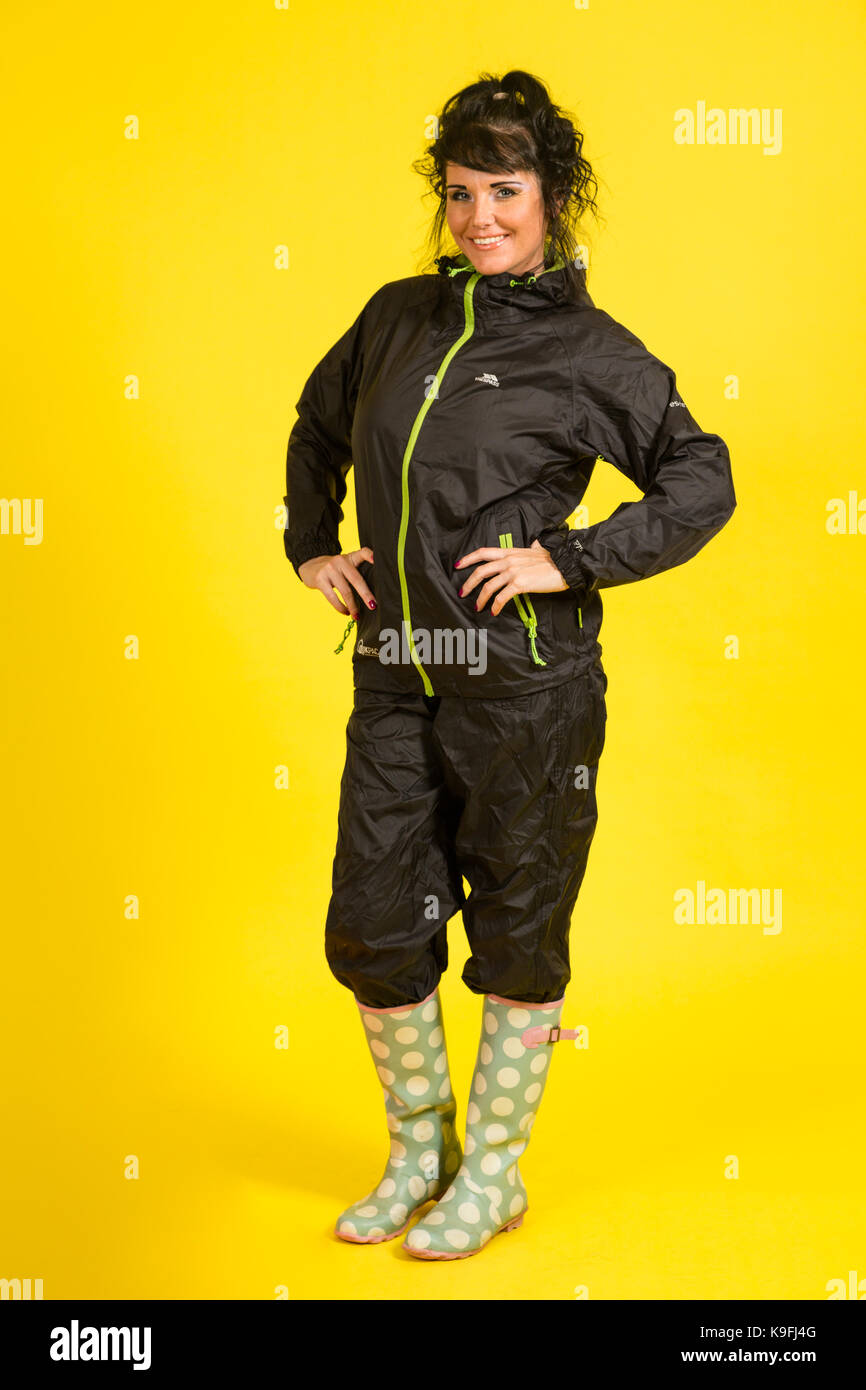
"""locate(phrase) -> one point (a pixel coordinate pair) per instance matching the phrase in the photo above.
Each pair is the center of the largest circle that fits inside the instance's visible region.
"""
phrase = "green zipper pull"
(527, 614)
(345, 635)
(533, 628)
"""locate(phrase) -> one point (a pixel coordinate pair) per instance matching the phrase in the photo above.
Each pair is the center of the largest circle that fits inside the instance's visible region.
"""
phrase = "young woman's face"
(497, 220)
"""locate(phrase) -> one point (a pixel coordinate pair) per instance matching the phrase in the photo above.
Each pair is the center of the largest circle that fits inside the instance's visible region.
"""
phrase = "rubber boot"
(488, 1195)
(407, 1045)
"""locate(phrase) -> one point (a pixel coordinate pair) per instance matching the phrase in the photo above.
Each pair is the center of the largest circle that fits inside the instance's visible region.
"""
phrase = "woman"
(474, 402)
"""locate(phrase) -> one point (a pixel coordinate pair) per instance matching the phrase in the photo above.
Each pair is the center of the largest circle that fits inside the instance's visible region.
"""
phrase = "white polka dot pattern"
(411, 1061)
(487, 1193)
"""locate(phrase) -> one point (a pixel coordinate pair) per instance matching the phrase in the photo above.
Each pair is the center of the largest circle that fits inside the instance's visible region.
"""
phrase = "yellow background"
(154, 1037)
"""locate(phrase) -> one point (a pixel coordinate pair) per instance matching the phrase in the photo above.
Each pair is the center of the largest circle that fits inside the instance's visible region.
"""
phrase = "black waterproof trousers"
(438, 788)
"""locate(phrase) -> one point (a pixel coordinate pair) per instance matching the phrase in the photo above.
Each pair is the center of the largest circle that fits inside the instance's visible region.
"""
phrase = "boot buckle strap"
(533, 1037)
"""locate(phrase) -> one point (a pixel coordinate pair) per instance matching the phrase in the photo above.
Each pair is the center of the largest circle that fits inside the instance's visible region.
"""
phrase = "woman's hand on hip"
(508, 572)
(330, 573)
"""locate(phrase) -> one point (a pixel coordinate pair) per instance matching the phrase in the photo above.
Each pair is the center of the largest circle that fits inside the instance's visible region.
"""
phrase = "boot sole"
(464, 1254)
(380, 1240)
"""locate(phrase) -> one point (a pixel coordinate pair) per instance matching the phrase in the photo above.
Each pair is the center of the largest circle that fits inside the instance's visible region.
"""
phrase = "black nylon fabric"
(502, 792)
(527, 404)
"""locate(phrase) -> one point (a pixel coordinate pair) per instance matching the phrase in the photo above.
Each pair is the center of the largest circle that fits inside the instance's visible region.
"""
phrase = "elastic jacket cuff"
(309, 546)
(565, 551)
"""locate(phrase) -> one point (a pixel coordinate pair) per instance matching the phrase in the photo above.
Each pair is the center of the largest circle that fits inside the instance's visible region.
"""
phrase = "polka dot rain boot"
(488, 1196)
(408, 1050)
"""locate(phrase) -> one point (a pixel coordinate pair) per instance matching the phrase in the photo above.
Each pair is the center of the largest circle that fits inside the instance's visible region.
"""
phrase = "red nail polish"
(372, 603)
(460, 593)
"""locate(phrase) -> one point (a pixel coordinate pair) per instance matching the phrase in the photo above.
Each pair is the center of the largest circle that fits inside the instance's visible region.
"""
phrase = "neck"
(533, 269)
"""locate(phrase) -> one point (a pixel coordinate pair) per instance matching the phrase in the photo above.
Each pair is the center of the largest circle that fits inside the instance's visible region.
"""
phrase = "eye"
(457, 195)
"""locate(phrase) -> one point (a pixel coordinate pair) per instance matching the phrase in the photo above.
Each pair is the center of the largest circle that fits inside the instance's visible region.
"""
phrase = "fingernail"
(476, 608)
(372, 603)
(457, 564)
(460, 595)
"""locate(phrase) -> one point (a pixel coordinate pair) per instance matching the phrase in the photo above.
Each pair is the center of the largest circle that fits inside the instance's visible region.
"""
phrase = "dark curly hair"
(481, 129)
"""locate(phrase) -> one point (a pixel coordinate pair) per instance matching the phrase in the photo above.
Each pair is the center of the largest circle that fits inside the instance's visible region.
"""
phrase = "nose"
(483, 218)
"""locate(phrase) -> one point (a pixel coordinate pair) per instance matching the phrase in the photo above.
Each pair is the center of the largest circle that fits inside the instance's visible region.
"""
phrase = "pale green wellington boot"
(488, 1196)
(408, 1049)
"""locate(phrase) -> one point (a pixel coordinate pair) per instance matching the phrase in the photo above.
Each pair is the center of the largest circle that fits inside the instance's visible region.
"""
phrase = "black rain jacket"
(474, 409)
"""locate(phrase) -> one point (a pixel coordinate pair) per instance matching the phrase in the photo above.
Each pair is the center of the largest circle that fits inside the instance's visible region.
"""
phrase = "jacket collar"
(537, 291)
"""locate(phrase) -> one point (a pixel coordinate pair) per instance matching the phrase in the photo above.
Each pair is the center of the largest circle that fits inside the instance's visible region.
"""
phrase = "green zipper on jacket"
(432, 393)
(527, 613)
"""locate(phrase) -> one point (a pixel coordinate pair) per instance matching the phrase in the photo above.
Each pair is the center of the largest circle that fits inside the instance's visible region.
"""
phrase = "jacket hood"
(538, 291)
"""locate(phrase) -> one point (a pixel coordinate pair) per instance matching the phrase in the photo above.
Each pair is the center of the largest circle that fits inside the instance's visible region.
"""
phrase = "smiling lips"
(487, 243)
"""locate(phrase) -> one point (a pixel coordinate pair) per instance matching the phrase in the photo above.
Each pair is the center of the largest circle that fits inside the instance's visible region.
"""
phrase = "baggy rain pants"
(438, 788)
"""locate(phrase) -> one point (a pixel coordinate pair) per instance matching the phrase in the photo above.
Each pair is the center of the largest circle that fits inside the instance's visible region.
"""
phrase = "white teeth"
(488, 241)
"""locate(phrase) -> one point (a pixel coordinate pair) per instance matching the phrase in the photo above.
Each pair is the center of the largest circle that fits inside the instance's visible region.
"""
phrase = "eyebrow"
(499, 183)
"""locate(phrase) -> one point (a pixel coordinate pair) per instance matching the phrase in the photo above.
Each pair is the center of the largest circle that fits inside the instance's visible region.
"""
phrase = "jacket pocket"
(510, 533)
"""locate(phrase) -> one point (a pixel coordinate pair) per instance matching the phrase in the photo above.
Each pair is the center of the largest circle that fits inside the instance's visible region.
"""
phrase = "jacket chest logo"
(488, 378)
